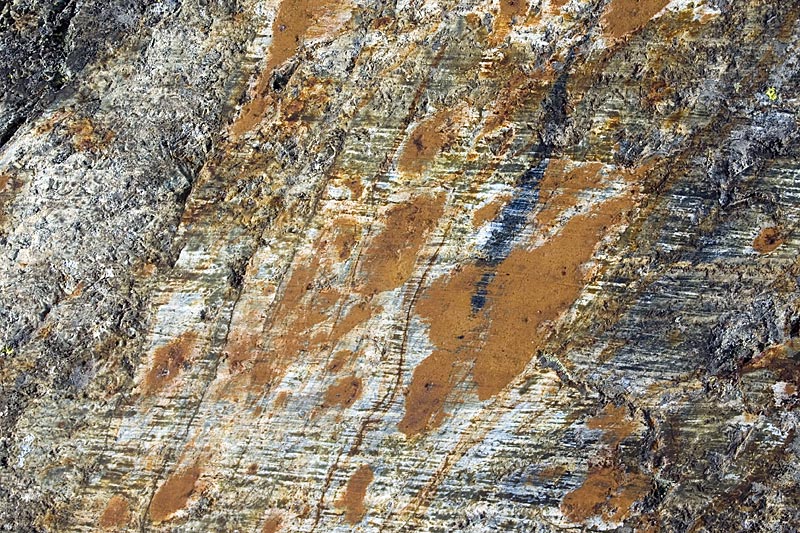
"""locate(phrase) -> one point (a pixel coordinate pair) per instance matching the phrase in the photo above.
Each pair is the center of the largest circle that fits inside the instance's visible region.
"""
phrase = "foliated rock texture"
(318, 265)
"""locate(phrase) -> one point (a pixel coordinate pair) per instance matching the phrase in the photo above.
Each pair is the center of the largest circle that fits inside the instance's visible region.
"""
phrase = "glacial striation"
(421, 265)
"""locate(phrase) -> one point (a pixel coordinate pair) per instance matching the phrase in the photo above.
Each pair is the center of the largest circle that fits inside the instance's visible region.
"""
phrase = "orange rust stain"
(87, 136)
(358, 314)
(343, 393)
(381, 22)
(431, 383)
(509, 9)
(530, 288)
(253, 111)
(78, 290)
(168, 361)
(780, 359)
(767, 240)
(428, 139)
(173, 494)
(513, 8)
(473, 20)
(553, 472)
(295, 20)
(303, 311)
(242, 347)
(300, 312)
(614, 422)
(622, 17)
(389, 259)
(4, 181)
(347, 235)
(560, 187)
(339, 360)
(309, 104)
(608, 491)
(519, 90)
(447, 308)
(353, 499)
(281, 399)
(273, 524)
(356, 187)
(490, 211)
(116, 514)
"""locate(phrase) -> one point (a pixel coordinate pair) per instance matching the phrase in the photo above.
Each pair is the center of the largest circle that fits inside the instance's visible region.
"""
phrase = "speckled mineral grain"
(413, 265)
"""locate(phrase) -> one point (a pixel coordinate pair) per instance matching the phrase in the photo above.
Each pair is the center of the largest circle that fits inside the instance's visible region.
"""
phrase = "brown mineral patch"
(4, 181)
(252, 469)
(353, 499)
(308, 303)
(309, 104)
(294, 20)
(780, 359)
(447, 308)
(608, 491)
(520, 90)
(553, 472)
(614, 422)
(173, 494)
(431, 383)
(356, 187)
(389, 258)
(767, 240)
(529, 289)
(532, 287)
(262, 373)
(78, 290)
(242, 347)
(281, 399)
(561, 186)
(252, 112)
(490, 211)
(425, 142)
(87, 136)
(625, 16)
(357, 314)
(473, 20)
(347, 234)
(298, 312)
(338, 361)
(343, 393)
(381, 22)
(273, 524)
(168, 361)
(116, 514)
(513, 8)
(509, 10)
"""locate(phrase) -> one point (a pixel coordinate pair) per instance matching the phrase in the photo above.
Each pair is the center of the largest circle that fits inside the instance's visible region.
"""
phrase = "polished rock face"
(316, 265)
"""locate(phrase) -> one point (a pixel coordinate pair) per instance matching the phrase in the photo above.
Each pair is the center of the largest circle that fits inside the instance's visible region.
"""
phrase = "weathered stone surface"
(511, 265)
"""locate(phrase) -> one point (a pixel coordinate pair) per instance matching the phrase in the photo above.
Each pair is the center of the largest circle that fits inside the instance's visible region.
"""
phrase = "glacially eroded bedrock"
(318, 265)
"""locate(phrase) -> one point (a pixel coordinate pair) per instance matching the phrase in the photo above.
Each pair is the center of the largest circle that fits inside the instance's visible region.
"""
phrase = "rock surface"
(315, 265)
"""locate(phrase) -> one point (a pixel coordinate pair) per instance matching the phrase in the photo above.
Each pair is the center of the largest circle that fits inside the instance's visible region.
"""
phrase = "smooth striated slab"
(511, 265)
